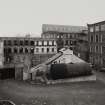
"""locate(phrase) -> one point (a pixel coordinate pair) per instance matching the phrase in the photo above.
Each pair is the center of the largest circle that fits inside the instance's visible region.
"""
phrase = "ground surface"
(84, 93)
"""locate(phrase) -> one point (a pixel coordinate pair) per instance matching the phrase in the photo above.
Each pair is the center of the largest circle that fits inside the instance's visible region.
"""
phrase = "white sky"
(27, 16)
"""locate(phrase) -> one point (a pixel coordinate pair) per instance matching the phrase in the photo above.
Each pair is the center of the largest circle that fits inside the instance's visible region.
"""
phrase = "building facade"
(96, 37)
(74, 37)
(22, 53)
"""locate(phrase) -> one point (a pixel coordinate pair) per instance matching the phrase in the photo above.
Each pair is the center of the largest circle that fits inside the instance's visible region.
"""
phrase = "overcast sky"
(27, 16)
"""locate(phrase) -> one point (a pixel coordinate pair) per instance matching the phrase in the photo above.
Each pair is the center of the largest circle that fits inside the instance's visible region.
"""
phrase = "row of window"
(26, 50)
(96, 60)
(27, 42)
(60, 35)
(96, 49)
(96, 38)
(97, 28)
(69, 42)
(42, 50)
(18, 42)
(20, 50)
(36, 43)
(45, 43)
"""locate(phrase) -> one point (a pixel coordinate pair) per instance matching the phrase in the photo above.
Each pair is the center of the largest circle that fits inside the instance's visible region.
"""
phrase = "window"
(61, 36)
(52, 35)
(103, 49)
(52, 49)
(47, 50)
(21, 50)
(91, 29)
(37, 43)
(73, 35)
(26, 42)
(15, 42)
(75, 42)
(26, 50)
(96, 28)
(90, 49)
(101, 38)
(5, 51)
(93, 48)
(5, 42)
(9, 50)
(15, 50)
(32, 50)
(21, 42)
(96, 49)
(9, 42)
(42, 49)
(103, 27)
(37, 49)
(70, 35)
(42, 42)
(32, 43)
(47, 43)
(58, 36)
(66, 35)
(91, 38)
(53, 43)
(66, 42)
(71, 42)
(96, 38)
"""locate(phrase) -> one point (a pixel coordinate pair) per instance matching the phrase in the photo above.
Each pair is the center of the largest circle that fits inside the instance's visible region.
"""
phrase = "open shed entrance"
(7, 73)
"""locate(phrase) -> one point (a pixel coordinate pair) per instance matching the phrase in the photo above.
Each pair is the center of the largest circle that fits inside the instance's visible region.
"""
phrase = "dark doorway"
(7, 73)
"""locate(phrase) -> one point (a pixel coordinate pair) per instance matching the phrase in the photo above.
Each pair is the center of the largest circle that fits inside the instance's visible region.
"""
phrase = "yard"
(84, 93)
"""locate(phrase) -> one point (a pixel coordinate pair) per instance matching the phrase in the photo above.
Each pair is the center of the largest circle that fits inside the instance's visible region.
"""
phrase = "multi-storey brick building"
(96, 36)
(73, 36)
(21, 53)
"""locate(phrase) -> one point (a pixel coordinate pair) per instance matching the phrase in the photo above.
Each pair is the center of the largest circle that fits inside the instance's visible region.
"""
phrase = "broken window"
(21, 42)
(26, 42)
(26, 50)
(21, 50)
(15, 42)
(9, 50)
(32, 50)
(15, 50)
(32, 43)
(9, 42)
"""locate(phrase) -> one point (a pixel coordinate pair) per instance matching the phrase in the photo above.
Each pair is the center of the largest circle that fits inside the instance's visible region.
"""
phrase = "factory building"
(96, 37)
